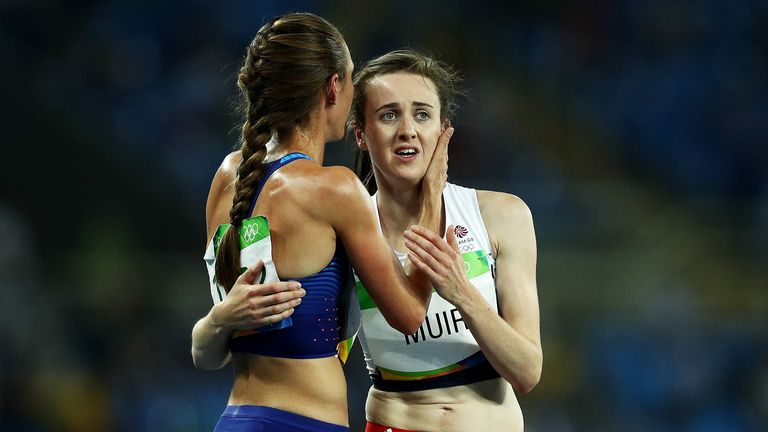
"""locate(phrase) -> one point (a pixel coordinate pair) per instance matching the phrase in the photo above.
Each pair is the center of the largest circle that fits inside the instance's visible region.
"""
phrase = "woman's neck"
(307, 140)
(398, 210)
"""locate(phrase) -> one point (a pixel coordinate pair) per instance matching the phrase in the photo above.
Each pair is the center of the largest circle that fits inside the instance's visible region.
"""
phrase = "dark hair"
(286, 66)
(444, 76)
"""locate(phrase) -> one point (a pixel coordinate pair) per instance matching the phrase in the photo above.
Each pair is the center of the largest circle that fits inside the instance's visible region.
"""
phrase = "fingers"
(269, 309)
(439, 159)
(427, 248)
(422, 266)
(275, 287)
(249, 276)
(279, 308)
(441, 150)
(252, 305)
(292, 297)
(418, 231)
(425, 256)
(286, 295)
(424, 237)
(271, 319)
(445, 137)
(450, 236)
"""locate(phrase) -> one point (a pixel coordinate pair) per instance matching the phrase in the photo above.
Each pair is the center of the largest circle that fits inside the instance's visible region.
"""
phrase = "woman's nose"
(407, 130)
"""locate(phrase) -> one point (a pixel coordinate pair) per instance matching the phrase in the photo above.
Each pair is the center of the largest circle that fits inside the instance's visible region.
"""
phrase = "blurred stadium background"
(635, 131)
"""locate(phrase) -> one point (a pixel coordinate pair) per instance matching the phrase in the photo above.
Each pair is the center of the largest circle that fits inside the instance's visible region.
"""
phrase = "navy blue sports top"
(316, 327)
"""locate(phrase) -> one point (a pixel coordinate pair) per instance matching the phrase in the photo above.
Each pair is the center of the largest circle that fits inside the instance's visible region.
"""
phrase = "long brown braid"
(286, 67)
(444, 76)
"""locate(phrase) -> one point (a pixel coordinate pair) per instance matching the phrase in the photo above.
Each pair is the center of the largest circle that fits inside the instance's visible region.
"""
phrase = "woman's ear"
(446, 124)
(360, 137)
(332, 90)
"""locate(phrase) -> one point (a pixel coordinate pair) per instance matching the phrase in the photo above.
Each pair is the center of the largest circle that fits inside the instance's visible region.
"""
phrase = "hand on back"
(250, 305)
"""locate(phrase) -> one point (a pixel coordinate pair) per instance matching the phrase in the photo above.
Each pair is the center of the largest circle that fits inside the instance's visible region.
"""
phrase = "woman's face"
(402, 125)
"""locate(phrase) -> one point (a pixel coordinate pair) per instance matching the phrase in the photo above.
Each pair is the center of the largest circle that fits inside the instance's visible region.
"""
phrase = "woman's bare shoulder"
(220, 195)
(502, 206)
(331, 191)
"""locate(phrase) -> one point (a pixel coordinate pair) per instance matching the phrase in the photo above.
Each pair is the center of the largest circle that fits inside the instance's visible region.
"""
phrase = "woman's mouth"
(406, 154)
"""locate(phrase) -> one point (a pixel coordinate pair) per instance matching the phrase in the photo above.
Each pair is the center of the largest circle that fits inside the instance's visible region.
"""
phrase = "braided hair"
(288, 63)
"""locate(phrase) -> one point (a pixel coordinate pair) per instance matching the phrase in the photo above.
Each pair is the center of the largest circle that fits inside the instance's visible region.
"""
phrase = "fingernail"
(450, 132)
(302, 292)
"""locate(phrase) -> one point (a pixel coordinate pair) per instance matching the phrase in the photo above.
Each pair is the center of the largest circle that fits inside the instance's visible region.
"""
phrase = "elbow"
(203, 363)
(528, 382)
(415, 320)
(406, 327)
(198, 361)
(409, 329)
(408, 323)
(530, 378)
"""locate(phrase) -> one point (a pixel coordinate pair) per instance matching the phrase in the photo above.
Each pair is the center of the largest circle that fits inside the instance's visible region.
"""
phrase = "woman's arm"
(511, 339)
(247, 305)
(401, 295)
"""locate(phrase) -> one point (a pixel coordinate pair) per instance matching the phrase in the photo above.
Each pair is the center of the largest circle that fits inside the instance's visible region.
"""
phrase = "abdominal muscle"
(486, 405)
(313, 388)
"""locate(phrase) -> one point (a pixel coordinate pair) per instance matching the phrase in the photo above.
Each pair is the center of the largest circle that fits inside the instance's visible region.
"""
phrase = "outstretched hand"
(440, 260)
(251, 305)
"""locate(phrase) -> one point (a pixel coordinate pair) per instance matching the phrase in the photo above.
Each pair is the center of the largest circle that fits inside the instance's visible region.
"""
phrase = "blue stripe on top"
(316, 329)
(270, 169)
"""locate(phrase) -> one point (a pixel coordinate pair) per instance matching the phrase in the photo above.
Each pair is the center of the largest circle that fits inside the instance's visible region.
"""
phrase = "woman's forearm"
(517, 359)
(209, 343)
(429, 217)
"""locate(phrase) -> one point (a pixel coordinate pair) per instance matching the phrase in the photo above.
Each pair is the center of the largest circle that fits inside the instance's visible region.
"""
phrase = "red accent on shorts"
(375, 427)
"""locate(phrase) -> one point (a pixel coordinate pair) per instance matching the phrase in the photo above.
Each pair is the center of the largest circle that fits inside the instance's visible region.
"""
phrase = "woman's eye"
(423, 115)
(389, 115)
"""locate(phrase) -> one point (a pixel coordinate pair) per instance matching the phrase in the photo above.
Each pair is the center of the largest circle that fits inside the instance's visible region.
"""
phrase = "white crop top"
(443, 351)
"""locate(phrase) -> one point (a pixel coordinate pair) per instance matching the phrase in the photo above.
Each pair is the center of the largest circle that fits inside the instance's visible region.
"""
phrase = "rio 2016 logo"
(251, 231)
(460, 231)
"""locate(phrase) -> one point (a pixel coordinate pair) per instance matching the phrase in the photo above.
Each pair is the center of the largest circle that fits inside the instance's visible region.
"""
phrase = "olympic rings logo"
(251, 232)
(467, 247)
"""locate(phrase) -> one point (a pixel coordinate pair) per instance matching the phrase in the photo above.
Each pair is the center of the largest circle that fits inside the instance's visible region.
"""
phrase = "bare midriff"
(313, 388)
(486, 405)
